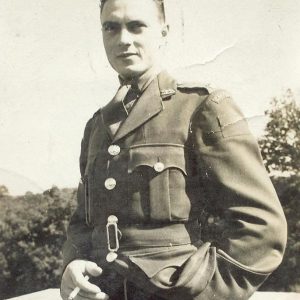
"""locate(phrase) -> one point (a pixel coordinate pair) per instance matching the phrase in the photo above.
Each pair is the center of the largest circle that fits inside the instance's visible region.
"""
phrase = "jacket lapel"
(112, 114)
(148, 105)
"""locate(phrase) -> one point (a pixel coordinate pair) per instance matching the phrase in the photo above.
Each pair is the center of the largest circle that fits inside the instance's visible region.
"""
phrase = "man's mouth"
(126, 54)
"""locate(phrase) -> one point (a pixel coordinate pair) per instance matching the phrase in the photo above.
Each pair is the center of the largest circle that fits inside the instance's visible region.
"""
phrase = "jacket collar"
(162, 87)
(167, 85)
(141, 83)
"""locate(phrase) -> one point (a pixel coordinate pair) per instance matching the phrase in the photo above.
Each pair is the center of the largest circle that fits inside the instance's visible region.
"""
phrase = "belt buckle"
(112, 223)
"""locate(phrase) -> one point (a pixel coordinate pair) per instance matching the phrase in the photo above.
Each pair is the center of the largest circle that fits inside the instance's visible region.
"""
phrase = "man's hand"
(74, 277)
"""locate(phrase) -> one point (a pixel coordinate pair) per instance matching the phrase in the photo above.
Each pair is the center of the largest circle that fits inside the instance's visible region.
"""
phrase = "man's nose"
(125, 37)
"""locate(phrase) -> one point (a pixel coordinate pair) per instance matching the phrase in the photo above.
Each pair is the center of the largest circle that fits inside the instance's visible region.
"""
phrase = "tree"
(3, 191)
(281, 144)
(32, 230)
(281, 153)
(287, 276)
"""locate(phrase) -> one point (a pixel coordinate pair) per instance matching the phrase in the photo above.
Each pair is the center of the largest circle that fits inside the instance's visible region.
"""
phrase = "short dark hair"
(159, 3)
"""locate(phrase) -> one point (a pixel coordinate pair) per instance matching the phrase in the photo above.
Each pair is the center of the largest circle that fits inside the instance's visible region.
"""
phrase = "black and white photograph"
(150, 150)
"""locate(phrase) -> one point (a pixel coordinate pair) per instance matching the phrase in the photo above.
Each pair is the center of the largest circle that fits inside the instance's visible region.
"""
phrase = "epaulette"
(97, 113)
(195, 85)
(219, 95)
(167, 93)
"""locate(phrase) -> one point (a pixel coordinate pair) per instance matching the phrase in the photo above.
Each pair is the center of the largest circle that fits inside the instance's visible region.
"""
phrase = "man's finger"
(64, 293)
(92, 269)
(98, 296)
(83, 295)
(84, 284)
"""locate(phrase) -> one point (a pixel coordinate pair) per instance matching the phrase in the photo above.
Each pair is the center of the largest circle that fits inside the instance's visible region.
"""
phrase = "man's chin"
(131, 71)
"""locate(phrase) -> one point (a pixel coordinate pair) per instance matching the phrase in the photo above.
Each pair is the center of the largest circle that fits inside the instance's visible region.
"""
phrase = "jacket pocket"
(163, 168)
(86, 195)
(87, 190)
(181, 272)
(197, 271)
(162, 266)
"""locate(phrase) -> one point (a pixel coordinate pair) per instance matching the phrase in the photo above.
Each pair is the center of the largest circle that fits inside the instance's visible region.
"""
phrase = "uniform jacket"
(184, 150)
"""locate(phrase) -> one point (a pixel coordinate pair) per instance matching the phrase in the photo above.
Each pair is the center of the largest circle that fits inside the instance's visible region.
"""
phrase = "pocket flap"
(153, 262)
(150, 155)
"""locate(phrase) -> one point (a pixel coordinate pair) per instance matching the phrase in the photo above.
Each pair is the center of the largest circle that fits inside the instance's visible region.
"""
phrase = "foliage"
(32, 230)
(287, 276)
(281, 143)
(3, 191)
(281, 152)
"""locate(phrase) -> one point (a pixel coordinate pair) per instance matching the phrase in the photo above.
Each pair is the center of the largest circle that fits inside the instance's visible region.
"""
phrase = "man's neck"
(145, 79)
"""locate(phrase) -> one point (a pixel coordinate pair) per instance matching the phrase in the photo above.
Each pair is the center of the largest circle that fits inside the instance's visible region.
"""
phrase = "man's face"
(132, 35)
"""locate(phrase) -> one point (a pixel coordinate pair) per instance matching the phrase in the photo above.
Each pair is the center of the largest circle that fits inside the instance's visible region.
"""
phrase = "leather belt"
(164, 235)
(136, 236)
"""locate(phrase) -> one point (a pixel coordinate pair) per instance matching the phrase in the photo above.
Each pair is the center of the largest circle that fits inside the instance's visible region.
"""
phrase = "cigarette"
(75, 292)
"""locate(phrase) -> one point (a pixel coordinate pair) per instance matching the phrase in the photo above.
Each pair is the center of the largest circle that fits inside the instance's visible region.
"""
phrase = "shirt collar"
(142, 82)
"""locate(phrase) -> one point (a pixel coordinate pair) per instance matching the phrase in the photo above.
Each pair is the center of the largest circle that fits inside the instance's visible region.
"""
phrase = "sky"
(54, 74)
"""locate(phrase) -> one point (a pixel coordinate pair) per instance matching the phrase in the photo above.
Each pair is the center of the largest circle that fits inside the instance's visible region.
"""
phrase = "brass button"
(112, 219)
(114, 150)
(159, 167)
(110, 183)
(111, 256)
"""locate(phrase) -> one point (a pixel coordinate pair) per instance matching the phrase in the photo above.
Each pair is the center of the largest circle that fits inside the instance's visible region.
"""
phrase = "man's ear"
(165, 30)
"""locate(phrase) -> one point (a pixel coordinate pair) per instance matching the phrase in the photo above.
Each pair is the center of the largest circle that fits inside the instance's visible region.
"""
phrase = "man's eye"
(110, 27)
(136, 27)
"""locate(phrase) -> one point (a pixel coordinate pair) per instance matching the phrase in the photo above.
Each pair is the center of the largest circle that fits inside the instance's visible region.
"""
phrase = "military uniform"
(184, 149)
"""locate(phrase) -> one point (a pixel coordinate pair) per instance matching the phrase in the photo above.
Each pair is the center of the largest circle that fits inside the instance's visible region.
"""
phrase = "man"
(153, 161)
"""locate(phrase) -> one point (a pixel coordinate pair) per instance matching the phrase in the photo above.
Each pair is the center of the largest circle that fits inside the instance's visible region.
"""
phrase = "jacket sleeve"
(252, 229)
(78, 243)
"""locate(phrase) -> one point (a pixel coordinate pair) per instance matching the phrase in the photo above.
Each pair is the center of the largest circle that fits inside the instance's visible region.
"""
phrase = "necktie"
(121, 93)
(126, 96)
(130, 98)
